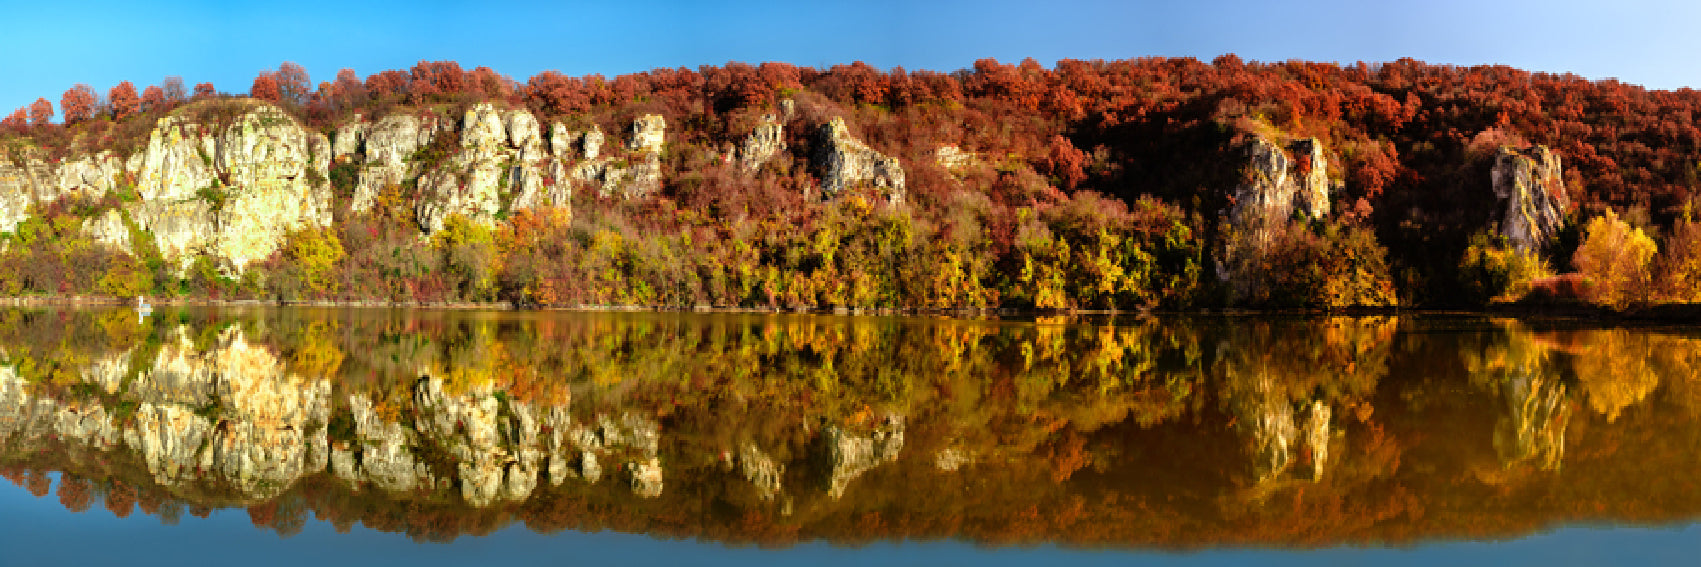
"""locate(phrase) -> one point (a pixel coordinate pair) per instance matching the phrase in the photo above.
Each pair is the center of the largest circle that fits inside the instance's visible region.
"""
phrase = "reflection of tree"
(1614, 369)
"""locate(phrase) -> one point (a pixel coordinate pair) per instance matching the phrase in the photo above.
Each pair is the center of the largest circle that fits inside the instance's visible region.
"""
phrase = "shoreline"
(1681, 313)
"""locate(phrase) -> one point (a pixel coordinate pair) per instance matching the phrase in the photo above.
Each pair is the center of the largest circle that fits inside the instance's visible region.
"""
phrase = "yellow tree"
(1615, 257)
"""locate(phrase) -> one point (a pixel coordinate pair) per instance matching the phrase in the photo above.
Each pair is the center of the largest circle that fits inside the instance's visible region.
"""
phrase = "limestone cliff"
(230, 193)
(230, 189)
(475, 181)
(766, 141)
(843, 162)
(385, 151)
(1274, 185)
(1530, 188)
(1273, 188)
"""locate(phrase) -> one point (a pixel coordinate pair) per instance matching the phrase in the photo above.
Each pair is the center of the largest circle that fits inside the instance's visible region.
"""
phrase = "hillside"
(1165, 183)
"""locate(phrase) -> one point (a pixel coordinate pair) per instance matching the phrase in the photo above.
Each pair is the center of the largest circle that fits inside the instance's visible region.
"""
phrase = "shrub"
(1493, 270)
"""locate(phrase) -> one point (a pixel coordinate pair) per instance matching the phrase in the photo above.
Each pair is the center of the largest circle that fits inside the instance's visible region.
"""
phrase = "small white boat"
(143, 310)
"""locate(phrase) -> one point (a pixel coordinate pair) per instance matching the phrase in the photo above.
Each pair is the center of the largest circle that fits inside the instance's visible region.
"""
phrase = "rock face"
(1530, 187)
(231, 184)
(385, 150)
(647, 134)
(230, 191)
(635, 174)
(483, 176)
(952, 158)
(231, 194)
(18, 183)
(844, 163)
(848, 456)
(766, 141)
(1273, 188)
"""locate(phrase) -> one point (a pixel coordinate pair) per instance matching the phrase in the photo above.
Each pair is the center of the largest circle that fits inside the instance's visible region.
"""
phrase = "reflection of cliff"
(1523, 372)
(773, 429)
(230, 420)
(1283, 382)
(1533, 428)
(229, 417)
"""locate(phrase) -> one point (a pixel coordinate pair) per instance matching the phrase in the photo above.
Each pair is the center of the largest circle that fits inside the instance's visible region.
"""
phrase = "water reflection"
(754, 428)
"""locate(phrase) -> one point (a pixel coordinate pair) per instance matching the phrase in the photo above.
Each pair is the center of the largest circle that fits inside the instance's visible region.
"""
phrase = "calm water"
(287, 436)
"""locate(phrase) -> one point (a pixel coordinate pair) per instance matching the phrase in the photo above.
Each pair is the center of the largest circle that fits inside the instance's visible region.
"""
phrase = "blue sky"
(49, 46)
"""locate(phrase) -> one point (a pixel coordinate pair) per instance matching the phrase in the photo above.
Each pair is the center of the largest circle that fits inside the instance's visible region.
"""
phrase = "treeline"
(1090, 184)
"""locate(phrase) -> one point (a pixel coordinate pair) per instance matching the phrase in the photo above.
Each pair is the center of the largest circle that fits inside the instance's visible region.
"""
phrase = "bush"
(1340, 266)
(1493, 270)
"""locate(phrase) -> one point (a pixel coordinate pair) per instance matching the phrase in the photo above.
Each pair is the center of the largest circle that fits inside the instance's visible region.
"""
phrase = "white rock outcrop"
(844, 162)
(1530, 187)
(766, 141)
(1274, 189)
(232, 194)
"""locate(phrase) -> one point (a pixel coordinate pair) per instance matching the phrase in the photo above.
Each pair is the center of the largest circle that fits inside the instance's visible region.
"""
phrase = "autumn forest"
(1086, 185)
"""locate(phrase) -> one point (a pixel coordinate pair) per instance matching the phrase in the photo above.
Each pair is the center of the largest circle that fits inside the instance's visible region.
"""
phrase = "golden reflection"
(781, 428)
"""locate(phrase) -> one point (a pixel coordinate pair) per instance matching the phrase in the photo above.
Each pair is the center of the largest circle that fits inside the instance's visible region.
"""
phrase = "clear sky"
(46, 47)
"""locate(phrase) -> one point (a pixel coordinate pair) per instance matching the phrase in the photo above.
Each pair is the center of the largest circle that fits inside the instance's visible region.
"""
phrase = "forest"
(1086, 185)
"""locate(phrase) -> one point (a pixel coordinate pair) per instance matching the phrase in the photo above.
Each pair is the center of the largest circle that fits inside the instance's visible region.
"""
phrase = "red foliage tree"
(388, 83)
(153, 98)
(552, 93)
(266, 88)
(348, 91)
(204, 91)
(1065, 162)
(857, 82)
(431, 79)
(173, 89)
(41, 111)
(490, 85)
(77, 103)
(124, 101)
(15, 121)
(293, 83)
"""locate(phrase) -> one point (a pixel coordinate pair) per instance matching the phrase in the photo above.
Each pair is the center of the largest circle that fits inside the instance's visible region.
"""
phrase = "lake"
(288, 435)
